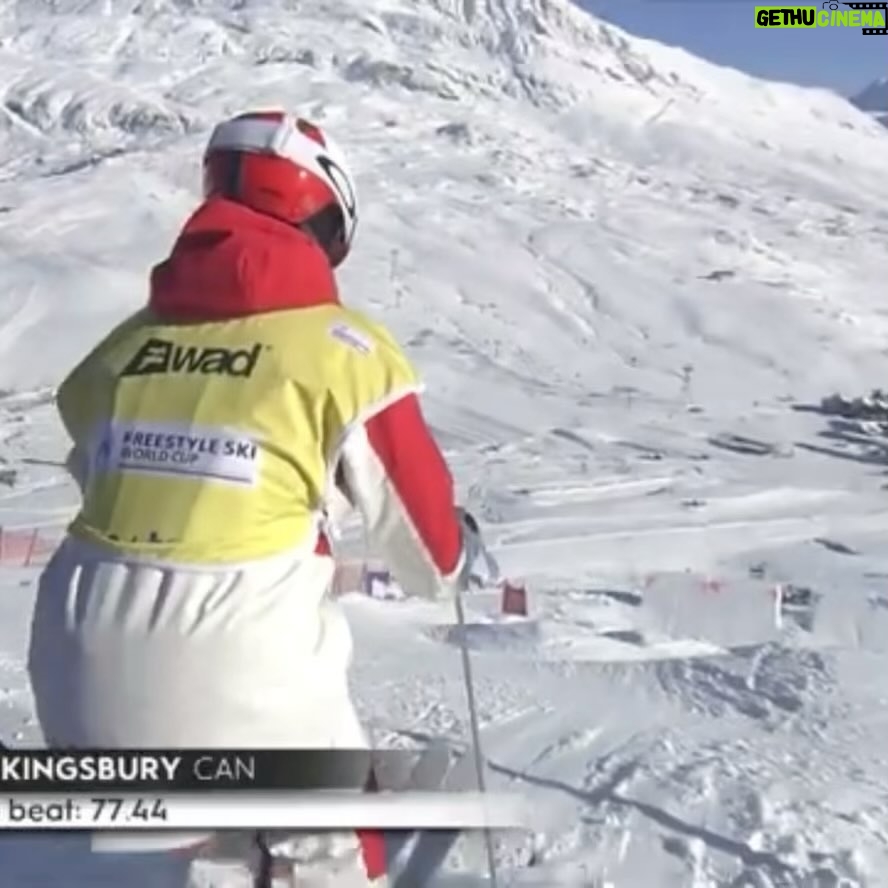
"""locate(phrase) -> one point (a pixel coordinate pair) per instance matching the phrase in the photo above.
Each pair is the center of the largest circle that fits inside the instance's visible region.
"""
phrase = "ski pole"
(263, 877)
(473, 724)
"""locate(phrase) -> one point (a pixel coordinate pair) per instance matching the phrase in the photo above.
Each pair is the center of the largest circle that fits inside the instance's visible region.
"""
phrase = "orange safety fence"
(28, 546)
(23, 547)
(665, 593)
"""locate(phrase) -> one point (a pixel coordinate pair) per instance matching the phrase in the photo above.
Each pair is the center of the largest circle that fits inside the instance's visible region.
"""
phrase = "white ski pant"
(124, 654)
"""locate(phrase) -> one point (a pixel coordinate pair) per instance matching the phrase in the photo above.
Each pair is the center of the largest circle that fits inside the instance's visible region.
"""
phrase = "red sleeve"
(416, 469)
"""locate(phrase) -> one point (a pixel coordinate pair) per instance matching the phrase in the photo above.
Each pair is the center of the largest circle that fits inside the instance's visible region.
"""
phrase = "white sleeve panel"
(390, 530)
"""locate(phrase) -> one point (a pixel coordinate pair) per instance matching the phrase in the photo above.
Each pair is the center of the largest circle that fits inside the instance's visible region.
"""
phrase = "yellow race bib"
(214, 442)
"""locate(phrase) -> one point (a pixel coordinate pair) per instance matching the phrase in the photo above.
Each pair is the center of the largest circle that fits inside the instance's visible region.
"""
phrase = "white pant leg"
(129, 655)
(125, 654)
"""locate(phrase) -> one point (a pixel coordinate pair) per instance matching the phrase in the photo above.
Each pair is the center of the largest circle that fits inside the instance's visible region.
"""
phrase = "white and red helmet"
(287, 168)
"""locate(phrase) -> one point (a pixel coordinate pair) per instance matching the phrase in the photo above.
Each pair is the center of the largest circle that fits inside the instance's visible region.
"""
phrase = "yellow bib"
(215, 443)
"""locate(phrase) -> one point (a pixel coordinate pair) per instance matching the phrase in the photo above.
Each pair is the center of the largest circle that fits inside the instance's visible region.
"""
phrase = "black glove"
(468, 519)
(479, 566)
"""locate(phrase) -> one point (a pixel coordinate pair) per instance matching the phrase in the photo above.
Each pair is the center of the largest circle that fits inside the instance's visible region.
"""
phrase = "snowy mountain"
(874, 99)
(587, 126)
(628, 276)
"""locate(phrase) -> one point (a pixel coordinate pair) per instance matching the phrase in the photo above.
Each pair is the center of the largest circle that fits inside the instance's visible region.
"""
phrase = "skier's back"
(187, 605)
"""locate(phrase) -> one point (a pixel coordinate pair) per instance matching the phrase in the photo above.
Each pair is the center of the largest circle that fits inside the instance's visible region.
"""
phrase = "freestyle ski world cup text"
(871, 18)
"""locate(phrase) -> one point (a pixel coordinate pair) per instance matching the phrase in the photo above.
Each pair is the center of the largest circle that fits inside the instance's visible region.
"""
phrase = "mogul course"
(814, 17)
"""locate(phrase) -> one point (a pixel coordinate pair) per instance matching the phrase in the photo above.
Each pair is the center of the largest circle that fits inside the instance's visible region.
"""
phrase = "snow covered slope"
(623, 272)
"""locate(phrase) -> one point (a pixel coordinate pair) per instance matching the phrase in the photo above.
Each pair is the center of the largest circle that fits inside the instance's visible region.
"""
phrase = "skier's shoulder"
(131, 323)
(117, 338)
(352, 331)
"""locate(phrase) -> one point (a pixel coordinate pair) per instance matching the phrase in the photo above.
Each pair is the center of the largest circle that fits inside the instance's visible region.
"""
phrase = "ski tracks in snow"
(709, 763)
(35, 490)
(35, 493)
(718, 766)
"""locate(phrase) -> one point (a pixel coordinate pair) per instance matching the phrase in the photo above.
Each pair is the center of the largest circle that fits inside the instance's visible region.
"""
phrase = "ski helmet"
(288, 168)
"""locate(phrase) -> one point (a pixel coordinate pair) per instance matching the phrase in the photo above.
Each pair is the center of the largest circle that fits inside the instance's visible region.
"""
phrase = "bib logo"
(162, 356)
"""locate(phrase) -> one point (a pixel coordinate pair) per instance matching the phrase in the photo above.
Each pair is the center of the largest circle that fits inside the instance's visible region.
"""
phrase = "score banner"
(210, 789)
(307, 810)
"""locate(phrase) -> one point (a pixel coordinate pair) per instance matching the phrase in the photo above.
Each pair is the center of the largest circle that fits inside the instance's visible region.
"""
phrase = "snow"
(624, 273)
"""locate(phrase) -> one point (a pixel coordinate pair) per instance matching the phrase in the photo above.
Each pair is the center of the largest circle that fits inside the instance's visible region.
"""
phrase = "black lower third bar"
(161, 770)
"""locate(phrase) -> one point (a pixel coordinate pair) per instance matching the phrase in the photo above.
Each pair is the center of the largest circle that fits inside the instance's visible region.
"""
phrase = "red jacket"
(231, 262)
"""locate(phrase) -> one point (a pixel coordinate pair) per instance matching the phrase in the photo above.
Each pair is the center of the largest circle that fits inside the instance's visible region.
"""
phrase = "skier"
(215, 432)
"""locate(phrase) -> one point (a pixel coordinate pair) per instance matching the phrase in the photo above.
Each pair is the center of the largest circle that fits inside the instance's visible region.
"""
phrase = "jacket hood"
(232, 262)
